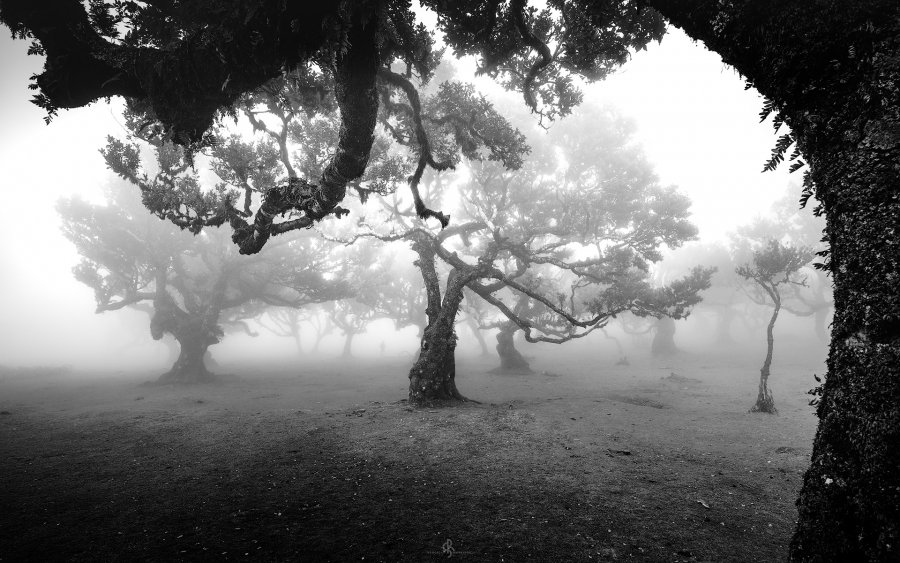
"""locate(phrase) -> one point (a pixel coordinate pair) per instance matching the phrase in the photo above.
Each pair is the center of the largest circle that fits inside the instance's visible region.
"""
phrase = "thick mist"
(611, 298)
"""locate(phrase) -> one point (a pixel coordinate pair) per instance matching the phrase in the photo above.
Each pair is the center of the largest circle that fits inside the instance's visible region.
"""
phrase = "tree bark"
(849, 506)
(511, 361)
(663, 344)
(432, 379)
(833, 69)
(765, 402)
(190, 366)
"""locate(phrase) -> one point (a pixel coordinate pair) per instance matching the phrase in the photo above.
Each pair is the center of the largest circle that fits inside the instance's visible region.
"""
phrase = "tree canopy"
(194, 287)
(829, 70)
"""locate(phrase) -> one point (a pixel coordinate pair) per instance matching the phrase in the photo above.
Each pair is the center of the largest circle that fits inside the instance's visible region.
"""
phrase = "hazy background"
(696, 122)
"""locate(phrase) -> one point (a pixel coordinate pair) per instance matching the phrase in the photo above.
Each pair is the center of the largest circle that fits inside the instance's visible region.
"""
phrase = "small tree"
(773, 266)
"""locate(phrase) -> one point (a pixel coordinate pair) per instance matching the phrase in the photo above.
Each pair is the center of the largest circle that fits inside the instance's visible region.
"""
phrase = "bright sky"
(697, 124)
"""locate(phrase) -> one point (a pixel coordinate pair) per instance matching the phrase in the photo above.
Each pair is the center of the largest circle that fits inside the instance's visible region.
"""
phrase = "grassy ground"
(577, 462)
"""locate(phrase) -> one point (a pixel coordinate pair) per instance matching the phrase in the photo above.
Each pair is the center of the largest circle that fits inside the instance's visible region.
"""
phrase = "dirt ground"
(581, 461)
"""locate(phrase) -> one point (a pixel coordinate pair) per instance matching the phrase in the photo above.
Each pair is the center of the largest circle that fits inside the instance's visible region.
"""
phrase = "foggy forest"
(508, 280)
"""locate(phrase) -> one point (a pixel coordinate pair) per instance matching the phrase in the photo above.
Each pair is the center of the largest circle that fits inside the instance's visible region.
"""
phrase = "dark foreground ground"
(581, 463)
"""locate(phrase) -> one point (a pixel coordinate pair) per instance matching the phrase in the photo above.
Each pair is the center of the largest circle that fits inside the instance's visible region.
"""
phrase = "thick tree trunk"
(511, 361)
(190, 366)
(663, 344)
(849, 506)
(833, 69)
(432, 379)
(765, 402)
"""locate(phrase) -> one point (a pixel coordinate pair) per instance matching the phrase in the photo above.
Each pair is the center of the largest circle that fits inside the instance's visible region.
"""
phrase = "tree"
(285, 322)
(828, 69)
(196, 286)
(556, 263)
(773, 266)
(797, 227)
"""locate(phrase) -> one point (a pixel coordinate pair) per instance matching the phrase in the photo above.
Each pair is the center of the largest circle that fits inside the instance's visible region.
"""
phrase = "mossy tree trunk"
(832, 69)
(432, 379)
(849, 506)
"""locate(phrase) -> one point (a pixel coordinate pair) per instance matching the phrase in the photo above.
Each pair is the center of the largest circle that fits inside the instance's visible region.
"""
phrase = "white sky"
(697, 124)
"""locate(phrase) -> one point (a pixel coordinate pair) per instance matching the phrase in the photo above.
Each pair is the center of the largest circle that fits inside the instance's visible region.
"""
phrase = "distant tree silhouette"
(196, 286)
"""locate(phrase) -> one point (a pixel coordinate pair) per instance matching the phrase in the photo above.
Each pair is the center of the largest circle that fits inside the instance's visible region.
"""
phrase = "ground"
(580, 461)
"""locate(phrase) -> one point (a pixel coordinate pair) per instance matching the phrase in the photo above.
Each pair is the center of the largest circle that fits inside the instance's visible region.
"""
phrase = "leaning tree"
(773, 266)
(829, 70)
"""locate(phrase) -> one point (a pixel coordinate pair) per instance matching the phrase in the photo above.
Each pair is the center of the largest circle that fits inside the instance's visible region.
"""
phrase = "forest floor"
(576, 462)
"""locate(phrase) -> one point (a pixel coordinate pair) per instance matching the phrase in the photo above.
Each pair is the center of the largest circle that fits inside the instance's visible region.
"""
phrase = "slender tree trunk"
(511, 361)
(476, 332)
(765, 402)
(623, 359)
(298, 342)
(432, 379)
(319, 336)
(348, 345)
(664, 338)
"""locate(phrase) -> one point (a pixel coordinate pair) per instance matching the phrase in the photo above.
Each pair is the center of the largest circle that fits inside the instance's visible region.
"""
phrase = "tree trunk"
(623, 359)
(724, 318)
(476, 332)
(295, 333)
(765, 402)
(348, 345)
(833, 69)
(664, 338)
(190, 366)
(849, 506)
(511, 361)
(432, 379)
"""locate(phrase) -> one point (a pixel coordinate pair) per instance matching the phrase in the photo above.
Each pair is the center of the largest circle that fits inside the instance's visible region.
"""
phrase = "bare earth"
(577, 462)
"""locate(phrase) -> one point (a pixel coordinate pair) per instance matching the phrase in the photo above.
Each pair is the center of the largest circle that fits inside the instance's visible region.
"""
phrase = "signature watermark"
(448, 550)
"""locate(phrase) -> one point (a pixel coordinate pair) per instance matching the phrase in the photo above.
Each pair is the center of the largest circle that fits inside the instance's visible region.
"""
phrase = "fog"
(693, 119)
(625, 347)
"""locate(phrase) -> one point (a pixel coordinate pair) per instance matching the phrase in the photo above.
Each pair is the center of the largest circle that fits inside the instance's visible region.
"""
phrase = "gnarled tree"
(773, 266)
(830, 71)
(196, 287)
(556, 254)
